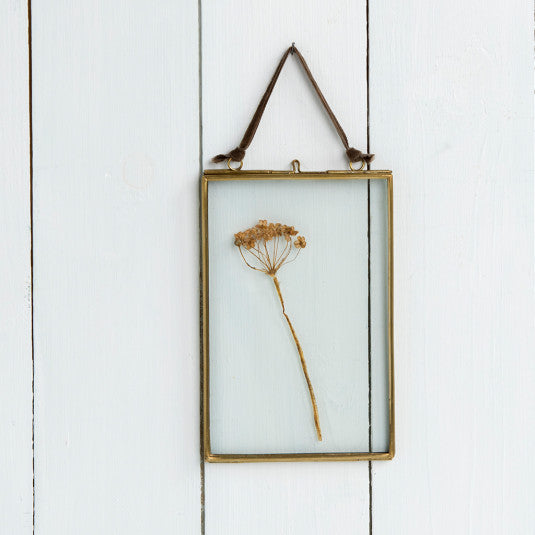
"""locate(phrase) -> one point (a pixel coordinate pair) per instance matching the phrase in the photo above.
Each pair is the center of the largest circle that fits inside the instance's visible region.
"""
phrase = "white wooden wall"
(130, 99)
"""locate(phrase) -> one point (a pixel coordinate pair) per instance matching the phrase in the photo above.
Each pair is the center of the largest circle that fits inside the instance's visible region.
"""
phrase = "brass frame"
(213, 175)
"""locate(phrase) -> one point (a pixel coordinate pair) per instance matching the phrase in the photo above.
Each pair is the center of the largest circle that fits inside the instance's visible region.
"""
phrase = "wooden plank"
(16, 486)
(452, 113)
(116, 269)
(292, 498)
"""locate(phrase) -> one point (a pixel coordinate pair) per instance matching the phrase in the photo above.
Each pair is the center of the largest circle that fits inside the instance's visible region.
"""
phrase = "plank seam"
(370, 482)
(30, 140)
(201, 367)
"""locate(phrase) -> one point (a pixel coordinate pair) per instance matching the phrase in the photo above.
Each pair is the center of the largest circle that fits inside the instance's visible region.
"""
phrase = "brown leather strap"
(238, 153)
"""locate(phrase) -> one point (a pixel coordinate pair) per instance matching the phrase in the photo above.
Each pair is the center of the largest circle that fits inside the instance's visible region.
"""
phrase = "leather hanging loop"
(238, 153)
(356, 155)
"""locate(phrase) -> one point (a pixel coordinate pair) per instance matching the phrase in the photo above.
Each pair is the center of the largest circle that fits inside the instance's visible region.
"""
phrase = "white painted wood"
(241, 49)
(116, 251)
(287, 498)
(241, 46)
(15, 275)
(452, 113)
(116, 267)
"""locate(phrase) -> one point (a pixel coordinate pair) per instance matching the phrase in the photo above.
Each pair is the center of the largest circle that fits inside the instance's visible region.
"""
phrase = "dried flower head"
(269, 245)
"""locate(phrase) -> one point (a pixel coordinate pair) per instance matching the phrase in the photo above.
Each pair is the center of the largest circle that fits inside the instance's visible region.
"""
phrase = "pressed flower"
(267, 247)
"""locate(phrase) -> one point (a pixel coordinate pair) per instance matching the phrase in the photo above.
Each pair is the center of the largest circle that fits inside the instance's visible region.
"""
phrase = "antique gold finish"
(234, 168)
(217, 175)
(296, 166)
(359, 169)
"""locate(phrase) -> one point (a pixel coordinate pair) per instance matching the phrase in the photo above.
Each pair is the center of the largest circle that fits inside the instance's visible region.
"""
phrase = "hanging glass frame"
(259, 401)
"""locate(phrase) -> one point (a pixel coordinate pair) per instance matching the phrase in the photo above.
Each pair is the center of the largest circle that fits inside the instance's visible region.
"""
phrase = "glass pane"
(259, 399)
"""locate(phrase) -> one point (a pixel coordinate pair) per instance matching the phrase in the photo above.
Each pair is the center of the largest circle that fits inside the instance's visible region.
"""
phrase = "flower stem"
(302, 357)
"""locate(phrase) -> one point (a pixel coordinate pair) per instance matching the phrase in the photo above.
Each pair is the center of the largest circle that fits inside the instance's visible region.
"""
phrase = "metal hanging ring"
(361, 167)
(296, 166)
(234, 168)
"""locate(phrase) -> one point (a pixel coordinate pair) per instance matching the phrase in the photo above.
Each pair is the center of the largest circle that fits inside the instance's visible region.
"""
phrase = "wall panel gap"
(201, 368)
(30, 135)
(370, 482)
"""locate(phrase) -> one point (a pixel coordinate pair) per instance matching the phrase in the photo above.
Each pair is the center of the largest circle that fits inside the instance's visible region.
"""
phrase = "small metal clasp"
(361, 167)
(234, 168)
(296, 166)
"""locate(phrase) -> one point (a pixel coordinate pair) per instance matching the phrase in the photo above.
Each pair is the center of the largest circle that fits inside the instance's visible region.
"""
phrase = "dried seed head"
(300, 242)
(269, 245)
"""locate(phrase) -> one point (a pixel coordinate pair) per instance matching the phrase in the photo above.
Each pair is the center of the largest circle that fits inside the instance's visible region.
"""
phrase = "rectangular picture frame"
(221, 175)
